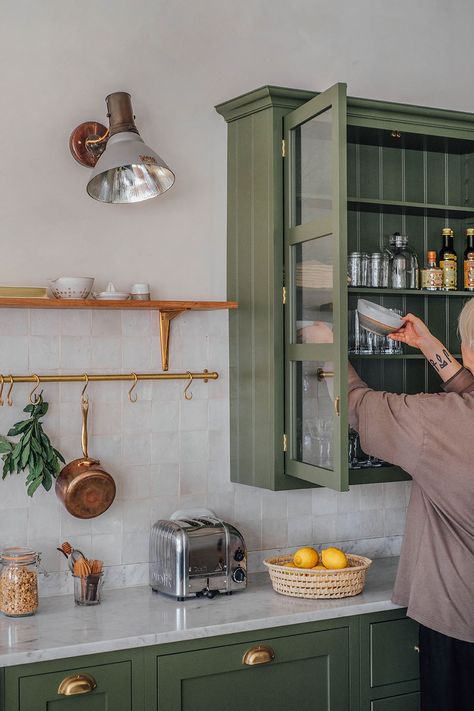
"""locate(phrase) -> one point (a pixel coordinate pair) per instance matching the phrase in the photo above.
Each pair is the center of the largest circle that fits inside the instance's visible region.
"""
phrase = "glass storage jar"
(19, 582)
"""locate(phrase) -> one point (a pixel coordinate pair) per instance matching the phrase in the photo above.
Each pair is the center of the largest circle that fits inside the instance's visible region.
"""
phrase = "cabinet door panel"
(316, 278)
(113, 690)
(309, 671)
(393, 652)
(405, 702)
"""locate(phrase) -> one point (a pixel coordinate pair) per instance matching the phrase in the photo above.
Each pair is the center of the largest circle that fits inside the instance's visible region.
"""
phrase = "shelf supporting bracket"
(165, 331)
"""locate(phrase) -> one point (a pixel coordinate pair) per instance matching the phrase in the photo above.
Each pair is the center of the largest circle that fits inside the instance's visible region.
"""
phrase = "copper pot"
(84, 487)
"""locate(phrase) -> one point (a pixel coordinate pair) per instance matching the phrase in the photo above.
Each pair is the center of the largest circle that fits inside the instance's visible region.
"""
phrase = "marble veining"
(134, 617)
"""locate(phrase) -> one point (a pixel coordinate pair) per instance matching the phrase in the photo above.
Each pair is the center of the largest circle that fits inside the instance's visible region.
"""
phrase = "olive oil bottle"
(448, 260)
(469, 260)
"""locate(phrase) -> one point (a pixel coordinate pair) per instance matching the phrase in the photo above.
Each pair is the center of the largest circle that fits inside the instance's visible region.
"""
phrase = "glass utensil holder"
(88, 589)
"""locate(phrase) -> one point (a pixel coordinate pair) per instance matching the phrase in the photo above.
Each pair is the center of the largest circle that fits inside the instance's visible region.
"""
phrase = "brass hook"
(34, 398)
(2, 385)
(187, 395)
(84, 397)
(131, 397)
(9, 393)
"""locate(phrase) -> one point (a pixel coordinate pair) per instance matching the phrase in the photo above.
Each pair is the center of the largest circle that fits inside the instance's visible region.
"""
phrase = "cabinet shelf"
(409, 208)
(168, 310)
(377, 475)
(408, 292)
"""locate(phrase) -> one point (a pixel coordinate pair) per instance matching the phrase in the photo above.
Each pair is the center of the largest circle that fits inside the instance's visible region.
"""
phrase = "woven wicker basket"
(300, 582)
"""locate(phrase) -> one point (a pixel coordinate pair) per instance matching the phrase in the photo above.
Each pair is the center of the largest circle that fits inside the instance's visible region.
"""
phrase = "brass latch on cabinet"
(283, 148)
(262, 654)
(322, 374)
(284, 294)
(337, 405)
(285, 442)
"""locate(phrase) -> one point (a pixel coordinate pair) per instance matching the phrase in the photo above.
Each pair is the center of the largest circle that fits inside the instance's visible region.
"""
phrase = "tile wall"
(164, 452)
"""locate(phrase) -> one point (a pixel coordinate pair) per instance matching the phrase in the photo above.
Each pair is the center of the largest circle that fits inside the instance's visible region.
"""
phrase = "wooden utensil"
(82, 568)
(84, 487)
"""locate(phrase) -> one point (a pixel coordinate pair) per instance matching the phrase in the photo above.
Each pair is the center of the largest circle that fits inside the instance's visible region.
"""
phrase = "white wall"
(59, 60)
(178, 58)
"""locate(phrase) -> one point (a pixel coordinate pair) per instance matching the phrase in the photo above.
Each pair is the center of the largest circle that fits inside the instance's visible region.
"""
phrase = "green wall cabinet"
(312, 177)
(348, 664)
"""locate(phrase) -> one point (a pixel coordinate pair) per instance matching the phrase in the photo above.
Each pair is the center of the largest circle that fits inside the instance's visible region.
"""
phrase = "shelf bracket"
(165, 331)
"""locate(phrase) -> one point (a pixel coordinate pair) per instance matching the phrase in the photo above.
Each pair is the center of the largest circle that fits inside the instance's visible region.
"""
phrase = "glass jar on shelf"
(19, 582)
(404, 264)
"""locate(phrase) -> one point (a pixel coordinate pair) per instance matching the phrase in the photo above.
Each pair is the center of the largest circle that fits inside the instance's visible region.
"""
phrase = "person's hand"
(318, 332)
(414, 332)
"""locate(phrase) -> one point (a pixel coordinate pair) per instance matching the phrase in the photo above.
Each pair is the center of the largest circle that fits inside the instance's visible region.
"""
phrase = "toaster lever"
(207, 593)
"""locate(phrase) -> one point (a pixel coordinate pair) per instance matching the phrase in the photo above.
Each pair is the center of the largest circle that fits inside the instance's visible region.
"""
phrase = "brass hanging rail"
(84, 377)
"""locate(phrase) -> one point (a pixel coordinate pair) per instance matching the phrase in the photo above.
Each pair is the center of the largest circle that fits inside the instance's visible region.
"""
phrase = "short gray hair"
(466, 324)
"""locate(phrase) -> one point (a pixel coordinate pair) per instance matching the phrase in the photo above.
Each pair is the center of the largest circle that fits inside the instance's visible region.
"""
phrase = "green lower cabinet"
(389, 662)
(360, 663)
(304, 671)
(105, 682)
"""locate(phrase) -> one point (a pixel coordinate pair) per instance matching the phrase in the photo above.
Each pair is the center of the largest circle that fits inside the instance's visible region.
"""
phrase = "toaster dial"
(238, 576)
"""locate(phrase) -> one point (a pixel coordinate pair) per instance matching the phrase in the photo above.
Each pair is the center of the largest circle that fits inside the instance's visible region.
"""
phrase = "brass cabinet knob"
(77, 684)
(258, 655)
(416, 648)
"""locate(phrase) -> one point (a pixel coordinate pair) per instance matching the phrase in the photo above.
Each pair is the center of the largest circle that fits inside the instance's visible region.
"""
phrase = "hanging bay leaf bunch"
(33, 451)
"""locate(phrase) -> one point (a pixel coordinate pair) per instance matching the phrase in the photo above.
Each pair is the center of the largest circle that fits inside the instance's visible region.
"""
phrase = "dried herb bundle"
(33, 450)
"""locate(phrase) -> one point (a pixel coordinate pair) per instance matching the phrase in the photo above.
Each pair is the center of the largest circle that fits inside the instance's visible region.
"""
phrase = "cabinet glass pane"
(313, 281)
(314, 413)
(312, 168)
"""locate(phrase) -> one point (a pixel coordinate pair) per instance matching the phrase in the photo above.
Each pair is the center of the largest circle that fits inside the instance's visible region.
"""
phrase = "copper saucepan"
(84, 487)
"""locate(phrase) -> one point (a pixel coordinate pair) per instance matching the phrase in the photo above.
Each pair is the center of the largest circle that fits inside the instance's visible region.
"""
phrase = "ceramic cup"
(140, 292)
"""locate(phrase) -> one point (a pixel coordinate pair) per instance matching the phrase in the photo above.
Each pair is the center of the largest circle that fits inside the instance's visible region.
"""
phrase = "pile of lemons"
(309, 558)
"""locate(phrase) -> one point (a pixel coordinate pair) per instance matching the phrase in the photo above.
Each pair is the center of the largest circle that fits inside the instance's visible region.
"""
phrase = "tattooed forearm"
(442, 360)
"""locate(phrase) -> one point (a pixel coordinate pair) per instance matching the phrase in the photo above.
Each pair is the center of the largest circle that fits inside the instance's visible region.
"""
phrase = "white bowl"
(71, 287)
(377, 319)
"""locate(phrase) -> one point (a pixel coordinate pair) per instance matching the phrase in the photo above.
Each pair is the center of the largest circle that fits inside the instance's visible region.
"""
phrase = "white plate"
(112, 296)
(378, 319)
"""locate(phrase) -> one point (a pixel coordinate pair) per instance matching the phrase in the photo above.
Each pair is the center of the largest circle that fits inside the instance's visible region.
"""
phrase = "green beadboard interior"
(429, 173)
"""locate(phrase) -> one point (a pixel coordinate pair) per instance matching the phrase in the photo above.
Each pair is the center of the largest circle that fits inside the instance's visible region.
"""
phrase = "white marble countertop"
(134, 617)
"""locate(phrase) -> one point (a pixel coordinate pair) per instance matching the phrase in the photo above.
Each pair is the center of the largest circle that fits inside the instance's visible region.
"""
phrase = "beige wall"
(178, 58)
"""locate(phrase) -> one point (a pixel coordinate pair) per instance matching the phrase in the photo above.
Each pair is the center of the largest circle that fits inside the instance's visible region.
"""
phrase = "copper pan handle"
(85, 412)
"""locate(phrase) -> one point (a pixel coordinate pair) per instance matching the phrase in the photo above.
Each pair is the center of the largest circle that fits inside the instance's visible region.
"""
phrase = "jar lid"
(19, 555)
(376, 255)
(354, 254)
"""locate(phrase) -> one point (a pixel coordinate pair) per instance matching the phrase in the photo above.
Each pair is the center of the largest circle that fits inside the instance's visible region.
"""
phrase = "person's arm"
(390, 426)
(417, 335)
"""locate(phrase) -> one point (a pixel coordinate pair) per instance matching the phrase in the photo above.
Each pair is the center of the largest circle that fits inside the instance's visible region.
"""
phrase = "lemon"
(289, 565)
(306, 557)
(334, 559)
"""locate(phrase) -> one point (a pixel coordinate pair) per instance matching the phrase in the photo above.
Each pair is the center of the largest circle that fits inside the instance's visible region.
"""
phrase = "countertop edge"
(161, 638)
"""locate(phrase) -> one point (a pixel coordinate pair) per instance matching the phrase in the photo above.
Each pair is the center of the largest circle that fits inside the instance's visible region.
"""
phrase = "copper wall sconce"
(125, 169)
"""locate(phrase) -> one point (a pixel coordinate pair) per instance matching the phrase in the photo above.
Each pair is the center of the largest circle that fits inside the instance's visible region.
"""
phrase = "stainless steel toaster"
(193, 555)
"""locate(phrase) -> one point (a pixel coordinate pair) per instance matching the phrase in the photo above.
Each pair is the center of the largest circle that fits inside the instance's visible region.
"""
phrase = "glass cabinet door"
(316, 285)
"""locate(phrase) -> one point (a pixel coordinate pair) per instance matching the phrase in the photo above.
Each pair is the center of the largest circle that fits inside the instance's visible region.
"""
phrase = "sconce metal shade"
(127, 170)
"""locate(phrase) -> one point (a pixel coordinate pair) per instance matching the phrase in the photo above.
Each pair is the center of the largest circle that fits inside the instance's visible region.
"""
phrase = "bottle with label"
(469, 260)
(432, 276)
(448, 261)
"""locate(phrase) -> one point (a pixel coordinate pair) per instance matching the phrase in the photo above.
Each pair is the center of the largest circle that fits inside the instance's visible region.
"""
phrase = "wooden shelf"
(407, 292)
(409, 208)
(168, 310)
(9, 303)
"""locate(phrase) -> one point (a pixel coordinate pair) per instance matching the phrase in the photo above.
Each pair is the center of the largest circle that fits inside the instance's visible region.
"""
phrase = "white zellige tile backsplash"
(163, 451)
